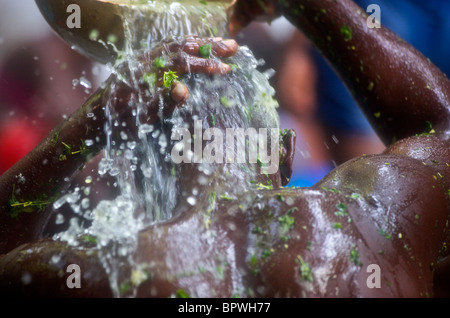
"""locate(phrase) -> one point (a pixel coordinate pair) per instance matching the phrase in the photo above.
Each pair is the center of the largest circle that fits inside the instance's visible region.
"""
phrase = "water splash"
(147, 179)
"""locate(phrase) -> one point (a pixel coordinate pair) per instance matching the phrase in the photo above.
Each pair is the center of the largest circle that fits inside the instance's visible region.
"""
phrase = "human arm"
(44, 174)
(400, 91)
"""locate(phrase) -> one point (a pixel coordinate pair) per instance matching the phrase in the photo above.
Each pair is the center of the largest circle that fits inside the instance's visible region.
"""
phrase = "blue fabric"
(423, 23)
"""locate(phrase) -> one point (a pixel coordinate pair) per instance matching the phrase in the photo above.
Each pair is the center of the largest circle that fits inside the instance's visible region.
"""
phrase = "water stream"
(147, 179)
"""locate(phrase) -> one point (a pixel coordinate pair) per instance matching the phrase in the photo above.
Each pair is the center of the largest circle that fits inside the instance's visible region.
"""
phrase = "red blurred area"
(17, 138)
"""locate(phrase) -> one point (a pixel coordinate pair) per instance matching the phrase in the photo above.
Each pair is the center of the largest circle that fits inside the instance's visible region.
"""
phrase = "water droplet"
(156, 133)
(335, 139)
(26, 278)
(21, 179)
(147, 171)
(162, 141)
(131, 144)
(85, 82)
(114, 172)
(90, 115)
(94, 34)
(123, 135)
(103, 166)
(59, 203)
(85, 203)
(145, 129)
(89, 142)
(202, 180)
(55, 259)
(88, 180)
(128, 154)
(59, 219)
(192, 201)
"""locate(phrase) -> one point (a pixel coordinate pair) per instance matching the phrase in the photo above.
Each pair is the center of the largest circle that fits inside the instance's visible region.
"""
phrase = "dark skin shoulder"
(390, 210)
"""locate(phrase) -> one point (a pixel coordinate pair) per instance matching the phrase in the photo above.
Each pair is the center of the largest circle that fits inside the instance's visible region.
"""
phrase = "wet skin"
(390, 209)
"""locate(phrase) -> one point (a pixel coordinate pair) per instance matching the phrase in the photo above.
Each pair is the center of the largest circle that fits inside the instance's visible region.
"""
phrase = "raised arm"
(40, 177)
(400, 91)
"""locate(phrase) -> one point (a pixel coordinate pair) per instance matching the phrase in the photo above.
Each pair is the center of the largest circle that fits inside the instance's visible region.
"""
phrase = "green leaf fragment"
(354, 257)
(346, 31)
(169, 78)
(159, 62)
(181, 293)
(305, 270)
(205, 50)
(225, 102)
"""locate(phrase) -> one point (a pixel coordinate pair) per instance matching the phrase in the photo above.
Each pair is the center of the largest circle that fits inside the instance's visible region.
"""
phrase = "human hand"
(246, 11)
(156, 79)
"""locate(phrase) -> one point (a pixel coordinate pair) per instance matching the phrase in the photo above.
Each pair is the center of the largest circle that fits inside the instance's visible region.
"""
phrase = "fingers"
(184, 63)
(219, 48)
(170, 98)
(179, 92)
(192, 45)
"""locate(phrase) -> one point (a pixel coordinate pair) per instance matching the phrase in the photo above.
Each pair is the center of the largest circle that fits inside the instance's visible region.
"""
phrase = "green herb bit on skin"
(305, 270)
(125, 288)
(55, 138)
(337, 225)
(67, 148)
(83, 149)
(385, 235)
(149, 78)
(205, 51)
(292, 210)
(226, 197)
(334, 190)
(257, 230)
(225, 102)
(267, 253)
(17, 207)
(346, 31)
(233, 67)
(342, 211)
(169, 78)
(159, 62)
(286, 223)
(261, 186)
(354, 257)
(181, 293)
(89, 239)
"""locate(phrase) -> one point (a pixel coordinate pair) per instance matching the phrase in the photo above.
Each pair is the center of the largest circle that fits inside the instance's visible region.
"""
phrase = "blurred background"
(42, 81)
